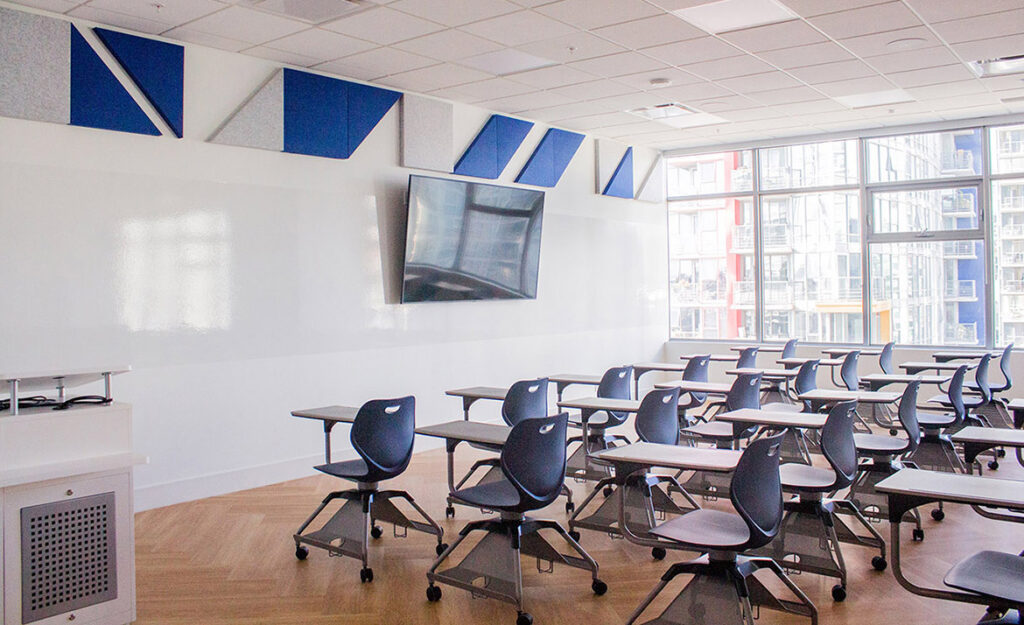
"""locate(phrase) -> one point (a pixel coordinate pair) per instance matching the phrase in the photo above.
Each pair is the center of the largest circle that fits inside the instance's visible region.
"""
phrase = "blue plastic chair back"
(885, 358)
(981, 378)
(526, 399)
(806, 380)
(382, 434)
(756, 490)
(1004, 366)
(744, 393)
(848, 371)
(908, 415)
(533, 460)
(837, 443)
(697, 371)
(615, 385)
(956, 395)
(747, 358)
(656, 420)
(790, 348)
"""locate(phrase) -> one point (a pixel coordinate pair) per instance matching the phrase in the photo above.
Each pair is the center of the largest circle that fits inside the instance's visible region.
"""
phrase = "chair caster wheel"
(301, 553)
(570, 507)
(1001, 453)
(599, 587)
(879, 563)
(366, 575)
(938, 515)
(918, 535)
(893, 431)
(607, 491)
(524, 618)
(433, 593)
(838, 593)
(440, 549)
(573, 534)
(376, 531)
(993, 464)
(658, 553)
(449, 512)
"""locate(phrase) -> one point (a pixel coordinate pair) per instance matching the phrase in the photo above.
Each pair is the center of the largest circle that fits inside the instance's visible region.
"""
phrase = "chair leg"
(781, 574)
(673, 482)
(879, 540)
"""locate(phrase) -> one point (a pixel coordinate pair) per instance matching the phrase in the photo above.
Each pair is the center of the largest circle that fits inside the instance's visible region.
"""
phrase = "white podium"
(67, 544)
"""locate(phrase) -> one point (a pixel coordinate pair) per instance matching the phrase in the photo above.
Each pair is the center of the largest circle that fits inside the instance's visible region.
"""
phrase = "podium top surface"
(48, 380)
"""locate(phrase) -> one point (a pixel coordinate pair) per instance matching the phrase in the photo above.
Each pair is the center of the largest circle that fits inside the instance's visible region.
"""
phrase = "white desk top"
(864, 397)
(766, 373)
(767, 349)
(479, 392)
(686, 386)
(975, 355)
(601, 403)
(1016, 404)
(842, 351)
(575, 378)
(659, 366)
(955, 487)
(714, 357)
(995, 436)
(937, 366)
(775, 418)
(468, 431)
(337, 414)
(672, 457)
(905, 378)
(47, 380)
(822, 362)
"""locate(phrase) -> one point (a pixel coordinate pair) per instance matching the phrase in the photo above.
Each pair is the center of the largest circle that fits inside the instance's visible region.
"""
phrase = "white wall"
(242, 284)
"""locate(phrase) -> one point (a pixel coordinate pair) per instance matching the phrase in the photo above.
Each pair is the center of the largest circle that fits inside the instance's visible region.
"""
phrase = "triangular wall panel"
(549, 160)
(158, 68)
(259, 121)
(366, 107)
(98, 100)
(493, 147)
(621, 182)
(652, 189)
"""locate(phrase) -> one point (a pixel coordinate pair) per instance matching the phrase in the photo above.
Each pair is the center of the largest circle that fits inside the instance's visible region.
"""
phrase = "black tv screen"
(471, 241)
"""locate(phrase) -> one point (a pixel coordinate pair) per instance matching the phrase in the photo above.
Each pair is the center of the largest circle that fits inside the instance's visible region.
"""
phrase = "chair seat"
(780, 407)
(878, 444)
(992, 387)
(990, 573)
(711, 429)
(802, 477)
(935, 419)
(969, 401)
(712, 529)
(496, 495)
(349, 469)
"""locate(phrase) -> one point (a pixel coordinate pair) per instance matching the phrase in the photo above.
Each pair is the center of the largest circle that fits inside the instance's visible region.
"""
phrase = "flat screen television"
(470, 241)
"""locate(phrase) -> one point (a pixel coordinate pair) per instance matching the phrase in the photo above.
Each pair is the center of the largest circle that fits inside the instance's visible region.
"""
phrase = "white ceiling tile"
(566, 111)
(518, 28)
(774, 36)
(802, 56)
(931, 76)
(531, 3)
(377, 63)
(635, 127)
(743, 65)
(650, 31)
(56, 6)
(813, 106)
(745, 115)
(454, 12)
(700, 91)
(1002, 83)
(619, 64)
(593, 89)
(994, 48)
(866, 20)
(173, 12)
(933, 92)
(912, 59)
(383, 25)
(759, 82)
(831, 72)
(982, 27)
(505, 61)
(588, 14)
(630, 101)
(121, 20)
(517, 103)
(435, 77)
(855, 86)
(943, 10)
(878, 43)
(572, 47)
(490, 89)
(724, 103)
(676, 77)
(322, 45)
(243, 24)
(280, 56)
(693, 51)
(187, 35)
(786, 96)
(554, 76)
(448, 45)
(602, 120)
(810, 8)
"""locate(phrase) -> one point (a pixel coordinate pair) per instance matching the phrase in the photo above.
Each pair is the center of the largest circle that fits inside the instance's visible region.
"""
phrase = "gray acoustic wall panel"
(35, 67)
(427, 134)
(653, 187)
(259, 121)
(607, 157)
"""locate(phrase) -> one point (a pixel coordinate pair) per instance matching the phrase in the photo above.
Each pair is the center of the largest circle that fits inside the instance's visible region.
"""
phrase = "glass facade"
(927, 216)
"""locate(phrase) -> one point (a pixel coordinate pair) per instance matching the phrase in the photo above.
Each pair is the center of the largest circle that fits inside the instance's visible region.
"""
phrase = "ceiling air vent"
(678, 116)
(999, 67)
(311, 11)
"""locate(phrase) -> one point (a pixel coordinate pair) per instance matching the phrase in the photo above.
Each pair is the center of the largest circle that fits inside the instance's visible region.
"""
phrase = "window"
(925, 210)
(829, 164)
(1007, 193)
(902, 158)
(710, 174)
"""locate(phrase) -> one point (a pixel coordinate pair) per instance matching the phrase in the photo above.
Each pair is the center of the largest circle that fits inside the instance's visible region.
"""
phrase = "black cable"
(36, 401)
(98, 400)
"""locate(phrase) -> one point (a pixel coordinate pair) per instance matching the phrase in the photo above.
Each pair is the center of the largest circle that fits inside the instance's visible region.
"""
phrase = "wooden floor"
(230, 559)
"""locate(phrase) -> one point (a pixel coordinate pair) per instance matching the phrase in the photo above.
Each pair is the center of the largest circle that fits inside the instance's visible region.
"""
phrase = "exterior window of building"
(904, 158)
(710, 174)
(1007, 193)
(829, 164)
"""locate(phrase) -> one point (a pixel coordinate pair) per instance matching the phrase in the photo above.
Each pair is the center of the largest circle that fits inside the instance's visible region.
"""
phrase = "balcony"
(776, 237)
(704, 294)
(959, 249)
(961, 334)
(960, 291)
(962, 205)
(697, 248)
(1011, 231)
(1012, 287)
(1012, 259)
(1012, 204)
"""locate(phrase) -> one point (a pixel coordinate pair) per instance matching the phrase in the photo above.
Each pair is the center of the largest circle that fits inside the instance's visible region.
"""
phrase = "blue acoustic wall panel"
(330, 117)
(621, 182)
(97, 98)
(549, 160)
(493, 147)
(158, 69)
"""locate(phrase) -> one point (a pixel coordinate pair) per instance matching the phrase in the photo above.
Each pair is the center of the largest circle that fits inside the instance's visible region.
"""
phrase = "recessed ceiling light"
(311, 11)
(677, 116)
(874, 98)
(999, 67)
(507, 61)
(726, 15)
(907, 43)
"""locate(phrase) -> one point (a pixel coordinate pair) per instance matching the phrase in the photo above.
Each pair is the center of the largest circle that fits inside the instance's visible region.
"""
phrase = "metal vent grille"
(68, 556)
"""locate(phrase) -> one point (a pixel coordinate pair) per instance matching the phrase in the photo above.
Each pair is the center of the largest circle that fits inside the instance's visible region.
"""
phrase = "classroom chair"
(696, 371)
(614, 385)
